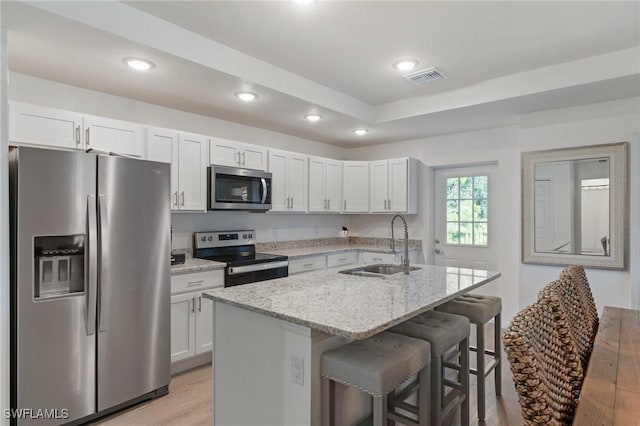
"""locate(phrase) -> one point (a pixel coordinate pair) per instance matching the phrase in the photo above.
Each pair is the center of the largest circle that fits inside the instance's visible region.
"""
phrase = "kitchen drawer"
(197, 281)
(373, 257)
(340, 259)
(307, 264)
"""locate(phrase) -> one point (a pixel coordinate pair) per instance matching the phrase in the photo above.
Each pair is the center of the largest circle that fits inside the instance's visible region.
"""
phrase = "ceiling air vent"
(424, 76)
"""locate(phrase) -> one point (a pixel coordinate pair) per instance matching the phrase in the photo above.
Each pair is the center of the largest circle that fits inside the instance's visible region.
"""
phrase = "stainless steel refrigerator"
(90, 285)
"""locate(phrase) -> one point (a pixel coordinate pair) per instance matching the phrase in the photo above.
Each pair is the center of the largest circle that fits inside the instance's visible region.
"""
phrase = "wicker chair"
(546, 367)
(570, 296)
(579, 277)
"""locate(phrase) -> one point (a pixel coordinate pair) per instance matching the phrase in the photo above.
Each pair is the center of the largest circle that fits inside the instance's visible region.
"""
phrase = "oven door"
(232, 188)
(245, 274)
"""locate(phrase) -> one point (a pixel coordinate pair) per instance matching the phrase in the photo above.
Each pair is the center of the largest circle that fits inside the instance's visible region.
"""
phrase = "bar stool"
(480, 310)
(444, 332)
(377, 365)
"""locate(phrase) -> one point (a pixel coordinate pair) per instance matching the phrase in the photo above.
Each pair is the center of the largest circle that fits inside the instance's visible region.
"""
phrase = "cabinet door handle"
(199, 303)
(345, 204)
(182, 198)
(193, 305)
(238, 158)
(195, 283)
(328, 203)
(175, 197)
(86, 136)
(291, 202)
(243, 158)
(385, 204)
(287, 202)
(78, 135)
(389, 203)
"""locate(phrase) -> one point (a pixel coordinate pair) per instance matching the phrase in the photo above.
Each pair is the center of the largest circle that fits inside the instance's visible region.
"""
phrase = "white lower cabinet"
(374, 257)
(307, 264)
(192, 314)
(342, 259)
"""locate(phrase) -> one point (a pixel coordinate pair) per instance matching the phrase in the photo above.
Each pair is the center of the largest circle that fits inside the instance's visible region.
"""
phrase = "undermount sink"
(377, 270)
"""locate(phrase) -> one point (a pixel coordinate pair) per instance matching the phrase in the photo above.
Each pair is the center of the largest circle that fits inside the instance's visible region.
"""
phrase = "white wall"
(586, 125)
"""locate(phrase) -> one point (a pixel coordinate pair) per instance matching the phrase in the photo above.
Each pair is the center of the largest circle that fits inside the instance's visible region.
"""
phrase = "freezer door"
(53, 344)
(134, 284)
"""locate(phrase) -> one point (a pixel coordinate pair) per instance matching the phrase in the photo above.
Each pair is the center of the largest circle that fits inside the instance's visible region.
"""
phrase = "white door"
(192, 173)
(464, 234)
(355, 186)
(254, 157)
(224, 152)
(278, 169)
(183, 339)
(162, 146)
(333, 185)
(398, 176)
(317, 193)
(379, 186)
(297, 182)
(38, 125)
(204, 324)
(121, 137)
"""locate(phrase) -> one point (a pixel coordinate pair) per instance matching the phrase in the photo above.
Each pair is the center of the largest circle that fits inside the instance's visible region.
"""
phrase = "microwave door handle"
(92, 270)
(264, 190)
(103, 308)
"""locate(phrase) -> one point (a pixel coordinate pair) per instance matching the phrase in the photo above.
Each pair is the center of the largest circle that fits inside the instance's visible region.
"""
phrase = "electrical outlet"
(297, 370)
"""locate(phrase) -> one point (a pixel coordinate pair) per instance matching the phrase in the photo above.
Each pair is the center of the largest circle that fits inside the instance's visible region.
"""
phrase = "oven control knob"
(204, 238)
(210, 238)
(250, 235)
(244, 236)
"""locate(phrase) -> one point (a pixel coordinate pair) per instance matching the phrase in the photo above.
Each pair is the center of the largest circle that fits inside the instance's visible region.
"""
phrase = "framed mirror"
(575, 206)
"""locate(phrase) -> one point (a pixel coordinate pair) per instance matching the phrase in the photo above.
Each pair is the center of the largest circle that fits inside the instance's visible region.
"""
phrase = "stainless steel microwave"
(233, 188)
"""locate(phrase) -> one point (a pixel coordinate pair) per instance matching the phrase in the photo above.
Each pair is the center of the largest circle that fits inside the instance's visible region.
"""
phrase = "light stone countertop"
(301, 252)
(351, 306)
(196, 265)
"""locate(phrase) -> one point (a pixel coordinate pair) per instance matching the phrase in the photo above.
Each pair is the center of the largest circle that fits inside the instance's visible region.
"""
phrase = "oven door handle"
(235, 270)
(264, 190)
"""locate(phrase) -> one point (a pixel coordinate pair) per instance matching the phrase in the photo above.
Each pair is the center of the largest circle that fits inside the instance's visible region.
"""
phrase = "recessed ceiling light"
(246, 96)
(405, 65)
(313, 117)
(360, 132)
(139, 64)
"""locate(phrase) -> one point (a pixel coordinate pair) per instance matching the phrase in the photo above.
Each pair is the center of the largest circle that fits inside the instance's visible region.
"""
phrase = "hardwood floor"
(189, 403)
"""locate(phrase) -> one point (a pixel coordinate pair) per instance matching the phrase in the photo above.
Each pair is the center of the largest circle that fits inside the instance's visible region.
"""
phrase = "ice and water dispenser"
(59, 265)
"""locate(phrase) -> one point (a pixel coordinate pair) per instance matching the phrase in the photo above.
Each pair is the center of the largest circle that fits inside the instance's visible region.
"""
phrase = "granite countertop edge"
(350, 334)
(192, 265)
(302, 252)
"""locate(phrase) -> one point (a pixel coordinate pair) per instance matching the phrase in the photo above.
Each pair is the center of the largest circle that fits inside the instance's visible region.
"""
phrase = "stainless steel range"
(237, 249)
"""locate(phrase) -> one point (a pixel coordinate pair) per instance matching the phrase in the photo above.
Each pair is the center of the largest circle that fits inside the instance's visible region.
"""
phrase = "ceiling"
(500, 59)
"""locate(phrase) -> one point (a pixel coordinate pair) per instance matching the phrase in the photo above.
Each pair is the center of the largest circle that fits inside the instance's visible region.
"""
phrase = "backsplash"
(346, 241)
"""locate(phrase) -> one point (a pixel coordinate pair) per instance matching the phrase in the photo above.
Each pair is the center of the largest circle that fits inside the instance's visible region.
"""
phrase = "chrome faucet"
(405, 261)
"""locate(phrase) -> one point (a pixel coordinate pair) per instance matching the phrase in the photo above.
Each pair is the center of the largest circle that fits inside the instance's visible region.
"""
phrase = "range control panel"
(224, 238)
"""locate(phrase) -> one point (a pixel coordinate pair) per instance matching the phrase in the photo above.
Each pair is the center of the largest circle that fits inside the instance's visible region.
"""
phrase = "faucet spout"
(405, 261)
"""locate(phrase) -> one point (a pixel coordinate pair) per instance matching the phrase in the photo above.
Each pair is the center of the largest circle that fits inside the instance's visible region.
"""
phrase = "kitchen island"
(269, 336)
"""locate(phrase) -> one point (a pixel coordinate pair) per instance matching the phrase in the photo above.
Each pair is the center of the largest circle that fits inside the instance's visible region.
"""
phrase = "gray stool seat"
(444, 332)
(479, 309)
(378, 364)
(441, 330)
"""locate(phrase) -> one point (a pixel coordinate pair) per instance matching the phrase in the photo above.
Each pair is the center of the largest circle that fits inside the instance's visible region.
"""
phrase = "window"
(467, 210)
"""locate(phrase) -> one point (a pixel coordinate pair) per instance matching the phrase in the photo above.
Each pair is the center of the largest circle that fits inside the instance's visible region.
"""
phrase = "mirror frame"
(618, 205)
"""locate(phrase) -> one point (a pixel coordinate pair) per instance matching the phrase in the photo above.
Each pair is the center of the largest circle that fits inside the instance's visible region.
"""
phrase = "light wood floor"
(189, 402)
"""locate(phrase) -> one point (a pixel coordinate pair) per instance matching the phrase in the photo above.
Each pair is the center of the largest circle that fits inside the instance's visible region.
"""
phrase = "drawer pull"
(377, 259)
(342, 259)
(195, 283)
(307, 265)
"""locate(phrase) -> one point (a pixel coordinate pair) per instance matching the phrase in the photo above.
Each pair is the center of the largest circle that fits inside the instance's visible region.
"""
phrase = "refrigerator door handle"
(92, 270)
(103, 268)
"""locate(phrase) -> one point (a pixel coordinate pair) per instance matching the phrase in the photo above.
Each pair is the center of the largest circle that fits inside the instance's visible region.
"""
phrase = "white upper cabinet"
(325, 185)
(237, 154)
(162, 146)
(193, 155)
(355, 186)
(32, 124)
(120, 137)
(394, 186)
(36, 125)
(289, 174)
